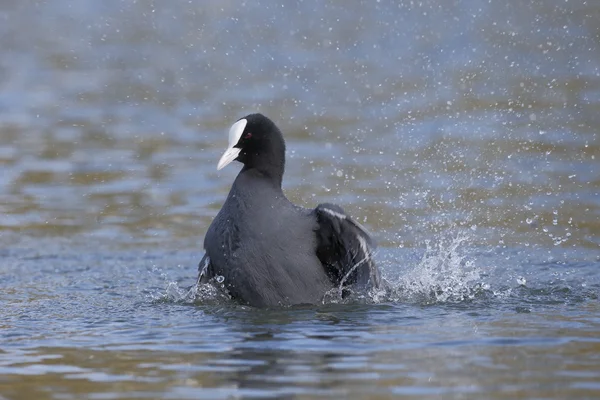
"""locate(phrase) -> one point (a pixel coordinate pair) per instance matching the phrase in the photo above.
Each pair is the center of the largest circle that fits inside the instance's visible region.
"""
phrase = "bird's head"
(256, 142)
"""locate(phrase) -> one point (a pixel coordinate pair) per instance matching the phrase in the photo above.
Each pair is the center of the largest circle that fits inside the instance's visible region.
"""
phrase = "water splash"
(207, 293)
(446, 273)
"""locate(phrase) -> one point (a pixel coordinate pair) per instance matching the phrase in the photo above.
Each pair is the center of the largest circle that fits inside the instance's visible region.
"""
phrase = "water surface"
(464, 135)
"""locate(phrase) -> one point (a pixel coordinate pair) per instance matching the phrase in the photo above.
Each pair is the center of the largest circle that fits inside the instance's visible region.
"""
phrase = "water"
(464, 135)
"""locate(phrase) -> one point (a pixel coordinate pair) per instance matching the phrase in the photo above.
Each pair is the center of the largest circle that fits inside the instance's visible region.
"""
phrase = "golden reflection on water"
(516, 359)
(126, 187)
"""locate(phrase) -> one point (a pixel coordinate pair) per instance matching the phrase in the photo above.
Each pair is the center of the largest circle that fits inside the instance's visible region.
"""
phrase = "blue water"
(464, 135)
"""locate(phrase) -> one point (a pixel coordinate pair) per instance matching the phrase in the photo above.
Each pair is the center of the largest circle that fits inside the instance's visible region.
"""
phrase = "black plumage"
(269, 251)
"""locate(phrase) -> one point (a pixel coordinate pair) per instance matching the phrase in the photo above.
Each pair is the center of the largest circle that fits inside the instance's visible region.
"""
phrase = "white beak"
(235, 133)
(230, 154)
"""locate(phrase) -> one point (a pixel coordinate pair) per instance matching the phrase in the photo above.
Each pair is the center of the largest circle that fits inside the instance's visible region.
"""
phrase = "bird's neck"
(272, 173)
(269, 162)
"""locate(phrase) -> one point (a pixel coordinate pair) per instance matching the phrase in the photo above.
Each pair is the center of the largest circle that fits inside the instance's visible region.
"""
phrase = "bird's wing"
(345, 248)
(205, 272)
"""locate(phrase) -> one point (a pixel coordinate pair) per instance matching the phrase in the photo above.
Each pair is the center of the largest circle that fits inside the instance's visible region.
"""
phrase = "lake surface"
(464, 134)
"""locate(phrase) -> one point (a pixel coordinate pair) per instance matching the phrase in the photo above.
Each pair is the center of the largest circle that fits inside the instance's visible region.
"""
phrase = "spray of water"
(208, 293)
(446, 273)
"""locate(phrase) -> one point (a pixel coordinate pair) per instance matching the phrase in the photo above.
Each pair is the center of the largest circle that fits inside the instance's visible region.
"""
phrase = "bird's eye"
(248, 135)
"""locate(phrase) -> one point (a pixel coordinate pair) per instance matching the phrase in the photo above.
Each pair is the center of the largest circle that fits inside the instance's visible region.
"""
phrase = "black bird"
(267, 251)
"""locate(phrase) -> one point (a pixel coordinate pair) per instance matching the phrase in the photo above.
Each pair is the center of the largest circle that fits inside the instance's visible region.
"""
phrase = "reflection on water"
(110, 322)
(259, 357)
(417, 117)
(465, 135)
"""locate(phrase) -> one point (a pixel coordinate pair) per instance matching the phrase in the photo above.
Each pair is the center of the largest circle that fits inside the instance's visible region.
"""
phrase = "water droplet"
(220, 278)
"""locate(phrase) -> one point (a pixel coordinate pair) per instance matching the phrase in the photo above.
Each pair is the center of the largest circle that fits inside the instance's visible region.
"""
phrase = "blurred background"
(464, 134)
(414, 116)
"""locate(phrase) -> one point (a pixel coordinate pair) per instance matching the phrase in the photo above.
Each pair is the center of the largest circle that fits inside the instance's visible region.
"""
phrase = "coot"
(267, 251)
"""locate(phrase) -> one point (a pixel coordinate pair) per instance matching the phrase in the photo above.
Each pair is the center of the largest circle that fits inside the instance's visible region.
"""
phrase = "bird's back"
(265, 247)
